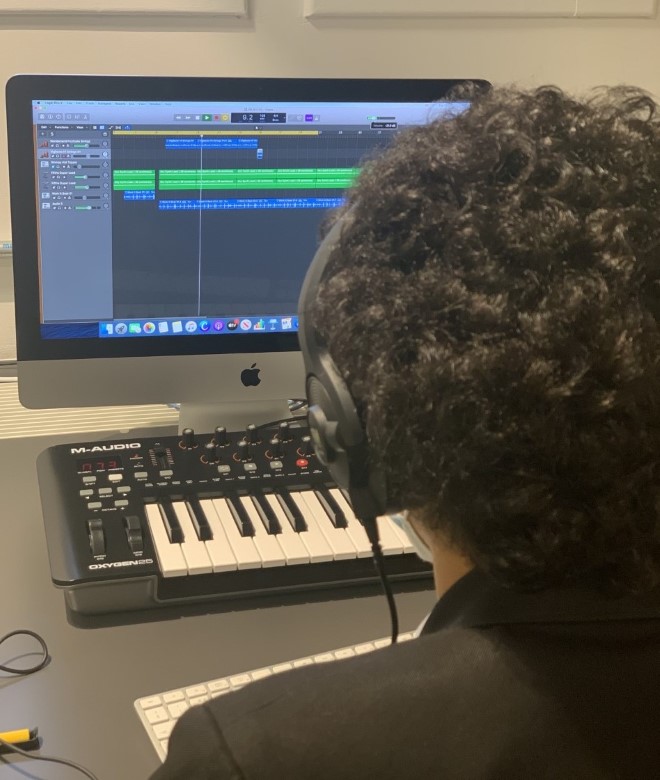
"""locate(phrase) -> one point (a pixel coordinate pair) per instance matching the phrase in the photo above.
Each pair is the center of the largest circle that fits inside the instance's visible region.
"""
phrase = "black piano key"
(265, 511)
(172, 525)
(241, 517)
(199, 521)
(290, 509)
(331, 508)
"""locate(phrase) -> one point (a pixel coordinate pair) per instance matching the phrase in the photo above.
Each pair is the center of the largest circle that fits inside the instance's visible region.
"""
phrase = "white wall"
(278, 41)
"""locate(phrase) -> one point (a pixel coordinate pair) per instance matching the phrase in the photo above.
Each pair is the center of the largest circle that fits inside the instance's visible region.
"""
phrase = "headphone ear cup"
(324, 428)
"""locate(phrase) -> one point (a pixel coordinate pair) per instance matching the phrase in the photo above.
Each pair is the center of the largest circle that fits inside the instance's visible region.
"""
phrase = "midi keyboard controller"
(145, 522)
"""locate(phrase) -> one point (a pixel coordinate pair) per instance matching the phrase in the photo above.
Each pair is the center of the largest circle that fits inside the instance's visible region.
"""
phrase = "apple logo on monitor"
(250, 376)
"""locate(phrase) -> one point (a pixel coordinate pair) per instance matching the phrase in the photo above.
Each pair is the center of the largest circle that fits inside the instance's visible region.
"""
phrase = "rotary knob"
(285, 432)
(188, 440)
(210, 452)
(220, 436)
(252, 434)
(276, 449)
(306, 447)
(244, 452)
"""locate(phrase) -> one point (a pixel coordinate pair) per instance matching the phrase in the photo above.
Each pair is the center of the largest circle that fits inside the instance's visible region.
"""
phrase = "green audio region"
(257, 178)
(134, 180)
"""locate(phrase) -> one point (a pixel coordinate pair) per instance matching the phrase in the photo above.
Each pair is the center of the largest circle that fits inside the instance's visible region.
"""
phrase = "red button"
(302, 463)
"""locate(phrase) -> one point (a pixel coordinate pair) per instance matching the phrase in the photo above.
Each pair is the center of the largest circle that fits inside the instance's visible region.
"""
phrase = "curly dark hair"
(494, 309)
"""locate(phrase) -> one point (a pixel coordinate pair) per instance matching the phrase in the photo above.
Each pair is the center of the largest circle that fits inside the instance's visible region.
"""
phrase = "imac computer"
(162, 227)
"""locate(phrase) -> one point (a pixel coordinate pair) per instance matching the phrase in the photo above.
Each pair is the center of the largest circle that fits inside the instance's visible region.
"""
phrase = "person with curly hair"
(493, 304)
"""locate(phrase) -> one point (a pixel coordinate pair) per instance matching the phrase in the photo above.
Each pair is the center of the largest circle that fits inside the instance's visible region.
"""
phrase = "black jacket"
(561, 684)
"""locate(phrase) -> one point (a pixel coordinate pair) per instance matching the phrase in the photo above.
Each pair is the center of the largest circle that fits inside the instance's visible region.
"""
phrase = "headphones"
(339, 438)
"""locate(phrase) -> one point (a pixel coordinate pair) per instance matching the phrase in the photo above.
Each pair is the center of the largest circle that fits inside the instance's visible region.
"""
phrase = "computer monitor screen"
(162, 228)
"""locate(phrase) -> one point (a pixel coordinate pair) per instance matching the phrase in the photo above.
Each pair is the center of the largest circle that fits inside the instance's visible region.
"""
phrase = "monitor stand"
(205, 418)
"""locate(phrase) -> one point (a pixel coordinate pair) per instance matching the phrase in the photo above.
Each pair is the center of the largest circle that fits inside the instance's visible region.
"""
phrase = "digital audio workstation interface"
(165, 219)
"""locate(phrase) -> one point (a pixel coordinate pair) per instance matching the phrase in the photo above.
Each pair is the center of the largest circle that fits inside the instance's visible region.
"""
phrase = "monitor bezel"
(21, 90)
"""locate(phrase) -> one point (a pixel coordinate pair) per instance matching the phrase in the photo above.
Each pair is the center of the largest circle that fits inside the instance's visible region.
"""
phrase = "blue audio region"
(211, 143)
(139, 195)
(250, 203)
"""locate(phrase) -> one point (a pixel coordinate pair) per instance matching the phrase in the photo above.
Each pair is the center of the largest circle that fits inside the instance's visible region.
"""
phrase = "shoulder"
(377, 704)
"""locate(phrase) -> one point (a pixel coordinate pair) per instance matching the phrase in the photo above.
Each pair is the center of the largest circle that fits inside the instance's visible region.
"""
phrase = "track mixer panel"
(135, 523)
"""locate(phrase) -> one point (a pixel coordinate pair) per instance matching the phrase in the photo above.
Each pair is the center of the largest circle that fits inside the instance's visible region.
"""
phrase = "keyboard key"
(331, 507)
(292, 510)
(341, 545)
(150, 701)
(241, 518)
(199, 519)
(156, 715)
(171, 696)
(172, 525)
(163, 730)
(354, 527)
(219, 550)
(177, 709)
(292, 545)
(267, 545)
(239, 680)
(218, 685)
(316, 544)
(194, 551)
(170, 557)
(267, 516)
(246, 554)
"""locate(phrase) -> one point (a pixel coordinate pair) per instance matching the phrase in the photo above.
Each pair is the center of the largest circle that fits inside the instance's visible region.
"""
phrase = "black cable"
(52, 759)
(284, 419)
(371, 528)
(29, 669)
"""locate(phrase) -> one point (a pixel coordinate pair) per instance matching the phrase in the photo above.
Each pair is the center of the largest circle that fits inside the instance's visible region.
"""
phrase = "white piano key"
(219, 550)
(341, 545)
(194, 550)
(389, 541)
(170, 558)
(403, 536)
(354, 529)
(266, 544)
(245, 552)
(316, 544)
(290, 542)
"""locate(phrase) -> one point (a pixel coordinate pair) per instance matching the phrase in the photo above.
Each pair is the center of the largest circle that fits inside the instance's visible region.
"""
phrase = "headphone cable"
(371, 528)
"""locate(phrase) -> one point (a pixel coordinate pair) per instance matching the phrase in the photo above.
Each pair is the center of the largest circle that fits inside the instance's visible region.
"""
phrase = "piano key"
(241, 518)
(341, 545)
(316, 544)
(219, 550)
(202, 527)
(290, 542)
(172, 525)
(170, 558)
(246, 554)
(194, 550)
(403, 536)
(389, 541)
(332, 509)
(292, 510)
(266, 544)
(266, 514)
(354, 527)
